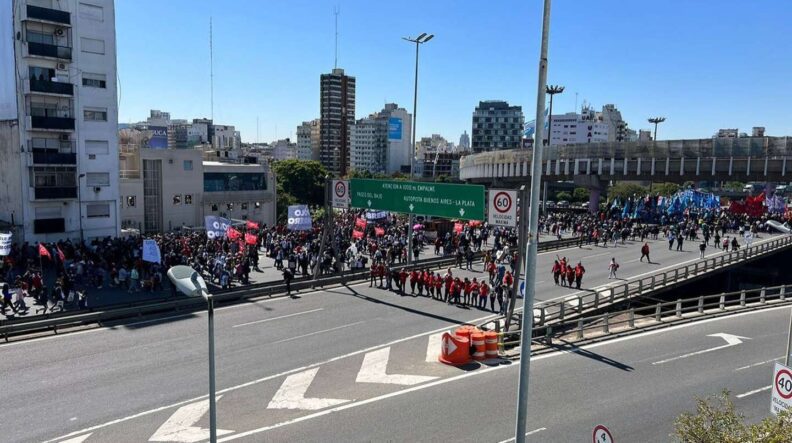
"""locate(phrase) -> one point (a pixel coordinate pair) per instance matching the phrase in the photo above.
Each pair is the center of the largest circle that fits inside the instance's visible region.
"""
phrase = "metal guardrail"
(118, 311)
(557, 311)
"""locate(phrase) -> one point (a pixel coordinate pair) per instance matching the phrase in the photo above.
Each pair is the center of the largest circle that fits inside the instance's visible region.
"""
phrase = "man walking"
(612, 268)
(645, 252)
(579, 271)
(702, 248)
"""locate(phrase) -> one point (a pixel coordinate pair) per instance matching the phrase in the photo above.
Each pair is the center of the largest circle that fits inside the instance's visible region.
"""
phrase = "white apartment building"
(380, 143)
(308, 140)
(58, 119)
(284, 150)
(573, 128)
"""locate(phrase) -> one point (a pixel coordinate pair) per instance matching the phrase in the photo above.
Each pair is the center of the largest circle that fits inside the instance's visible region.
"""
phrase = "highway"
(278, 360)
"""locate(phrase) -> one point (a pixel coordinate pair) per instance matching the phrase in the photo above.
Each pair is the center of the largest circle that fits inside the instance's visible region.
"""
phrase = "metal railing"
(47, 50)
(48, 14)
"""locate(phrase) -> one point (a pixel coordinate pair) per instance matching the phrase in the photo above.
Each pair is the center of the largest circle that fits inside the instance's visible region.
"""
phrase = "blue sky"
(703, 64)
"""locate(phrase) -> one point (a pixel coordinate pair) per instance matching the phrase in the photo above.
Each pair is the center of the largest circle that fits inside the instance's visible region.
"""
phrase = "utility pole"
(656, 120)
(533, 235)
(522, 196)
(328, 226)
(552, 90)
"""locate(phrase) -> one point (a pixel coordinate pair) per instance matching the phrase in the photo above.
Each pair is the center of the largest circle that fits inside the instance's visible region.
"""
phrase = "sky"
(702, 64)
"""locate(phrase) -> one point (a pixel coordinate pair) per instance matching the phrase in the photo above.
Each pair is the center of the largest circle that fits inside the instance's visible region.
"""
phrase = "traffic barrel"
(477, 346)
(454, 350)
(491, 344)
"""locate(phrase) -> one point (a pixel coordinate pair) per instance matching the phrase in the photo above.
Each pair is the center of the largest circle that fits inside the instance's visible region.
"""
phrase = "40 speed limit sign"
(502, 207)
(782, 389)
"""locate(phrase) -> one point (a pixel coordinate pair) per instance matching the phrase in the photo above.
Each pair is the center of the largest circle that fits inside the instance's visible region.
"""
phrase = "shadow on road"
(569, 347)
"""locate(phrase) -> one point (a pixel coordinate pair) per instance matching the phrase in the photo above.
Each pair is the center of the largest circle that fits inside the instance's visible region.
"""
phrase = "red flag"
(61, 255)
(232, 233)
(250, 239)
(357, 234)
(43, 252)
(379, 231)
(360, 223)
(458, 228)
(251, 225)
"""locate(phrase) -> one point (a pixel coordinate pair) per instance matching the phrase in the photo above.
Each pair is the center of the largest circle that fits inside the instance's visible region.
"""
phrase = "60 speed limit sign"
(502, 207)
(601, 434)
(782, 389)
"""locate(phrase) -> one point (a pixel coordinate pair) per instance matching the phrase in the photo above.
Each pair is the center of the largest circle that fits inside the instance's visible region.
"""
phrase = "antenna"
(576, 109)
(257, 129)
(336, 11)
(211, 72)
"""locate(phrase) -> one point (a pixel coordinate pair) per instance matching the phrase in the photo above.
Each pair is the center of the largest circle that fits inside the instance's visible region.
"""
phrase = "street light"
(656, 120)
(552, 90)
(79, 207)
(423, 38)
(190, 283)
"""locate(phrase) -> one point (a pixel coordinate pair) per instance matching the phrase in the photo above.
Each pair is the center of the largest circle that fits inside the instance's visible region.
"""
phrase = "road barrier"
(477, 345)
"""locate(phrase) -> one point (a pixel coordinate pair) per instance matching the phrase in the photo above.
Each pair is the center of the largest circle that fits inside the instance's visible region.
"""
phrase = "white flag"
(151, 251)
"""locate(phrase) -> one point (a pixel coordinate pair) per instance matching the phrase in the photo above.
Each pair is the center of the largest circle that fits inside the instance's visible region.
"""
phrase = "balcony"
(49, 87)
(46, 50)
(57, 193)
(49, 157)
(58, 123)
(49, 15)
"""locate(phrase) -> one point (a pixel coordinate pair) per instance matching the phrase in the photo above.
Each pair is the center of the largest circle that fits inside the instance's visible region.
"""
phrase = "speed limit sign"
(502, 207)
(782, 389)
(601, 435)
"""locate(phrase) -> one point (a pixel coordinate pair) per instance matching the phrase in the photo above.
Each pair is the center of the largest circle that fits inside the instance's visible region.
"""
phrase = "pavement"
(286, 361)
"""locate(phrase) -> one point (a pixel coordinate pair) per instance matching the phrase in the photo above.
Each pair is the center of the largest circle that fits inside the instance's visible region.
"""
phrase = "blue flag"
(216, 226)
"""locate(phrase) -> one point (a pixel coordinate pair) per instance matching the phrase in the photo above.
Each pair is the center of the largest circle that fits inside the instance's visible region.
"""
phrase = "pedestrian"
(680, 240)
(702, 248)
(579, 271)
(496, 293)
(671, 239)
(645, 253)
(288, 275)
(556, 271)
(570, 275)
(403, 281)
(484, 290)
(414, 279)
(612, 268)
(734, 244)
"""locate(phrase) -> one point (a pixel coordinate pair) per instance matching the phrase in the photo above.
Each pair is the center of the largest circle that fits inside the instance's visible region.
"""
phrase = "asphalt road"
(125, 383)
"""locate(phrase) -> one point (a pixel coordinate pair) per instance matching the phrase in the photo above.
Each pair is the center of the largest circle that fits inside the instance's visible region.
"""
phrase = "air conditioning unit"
(91, 156)
(62, 66)
(64, 137)
(58, 31)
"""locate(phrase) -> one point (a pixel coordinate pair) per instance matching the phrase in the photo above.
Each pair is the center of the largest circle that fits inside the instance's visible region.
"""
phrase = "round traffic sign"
(340, 189)
(783, 384)
(502, 202)
(601, 435)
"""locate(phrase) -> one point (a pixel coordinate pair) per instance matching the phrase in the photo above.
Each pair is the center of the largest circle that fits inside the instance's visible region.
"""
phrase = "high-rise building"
(573, 128)
(59, 119)
(464, 142)
(496, 125)
(308, 140)
(758, 131)
(728, 133)
(380, 143)
(337, 115)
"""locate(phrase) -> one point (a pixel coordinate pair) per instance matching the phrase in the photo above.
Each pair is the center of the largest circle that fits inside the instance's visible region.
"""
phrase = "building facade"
(308, 140)
(464, 142)
(380, 143)
(497, 125)
(573, 128)
(59, 119)
(337, 115)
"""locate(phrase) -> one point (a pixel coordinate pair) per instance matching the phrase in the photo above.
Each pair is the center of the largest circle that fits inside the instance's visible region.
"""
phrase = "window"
(94, 80)
(48, 212)
(40, 37)
(97, 210)
(97, 179)
(41, 74)
(244, 206)
(92, 45)
(91, 12)
(188, 165)
(187, 199)
(176, 199)
(234, 181)
(97, 147)
(230, 206)
(95, 114)
(214, 208)
(130, 200)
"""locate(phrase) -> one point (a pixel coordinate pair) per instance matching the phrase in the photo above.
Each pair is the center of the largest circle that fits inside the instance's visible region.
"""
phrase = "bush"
(563, 195)
(665, 189)
(580, 194)
(625, 190)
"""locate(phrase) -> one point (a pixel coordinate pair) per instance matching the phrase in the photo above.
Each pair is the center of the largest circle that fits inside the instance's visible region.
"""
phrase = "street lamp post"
(423, 38)
(656, 121)
(79, 207)
(552, 90)
(190, 283)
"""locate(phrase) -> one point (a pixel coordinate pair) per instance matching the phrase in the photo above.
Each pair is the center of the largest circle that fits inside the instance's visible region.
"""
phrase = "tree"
(733, 186)
(563, 195)
(303, 180)
(580, 194)
(666, 189)
(625, 190)
(716, 421)
(283, 202)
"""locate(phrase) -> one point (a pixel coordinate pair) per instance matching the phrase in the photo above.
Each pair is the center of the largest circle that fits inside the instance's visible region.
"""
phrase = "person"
(702, 248)
(497, 292)
(579, 271)
(680, 240)
(671, 239)
(748, 238)
(7, 302)
(645, 253)
(414, 279)
(716, 239)
(288, 275)
(508, 283)
(466, 288)
(134, 278)
(484, 290)
(612, 268)
(725, 244)
(403, 281)
(570, 275)
(556, 271)
(734, 244)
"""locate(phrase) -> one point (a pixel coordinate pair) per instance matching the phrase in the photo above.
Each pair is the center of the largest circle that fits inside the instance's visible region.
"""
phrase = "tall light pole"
(533, 235)
(423, 38)
(79, 207)
(552, 90)
(656, 121)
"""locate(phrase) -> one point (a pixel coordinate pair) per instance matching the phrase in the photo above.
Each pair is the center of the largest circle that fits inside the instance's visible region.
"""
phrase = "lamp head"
(188, 281)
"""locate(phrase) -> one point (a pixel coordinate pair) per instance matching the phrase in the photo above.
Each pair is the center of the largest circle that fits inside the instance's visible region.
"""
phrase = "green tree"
(624, 190)
(442, 178)
(563, 195)
(580, 194)
(303, 180)
(282, 203)
(716, 421)
(665, 189)
(733, 186)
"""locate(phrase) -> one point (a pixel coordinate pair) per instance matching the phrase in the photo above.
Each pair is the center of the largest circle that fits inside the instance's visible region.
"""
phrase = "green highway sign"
(436, 199)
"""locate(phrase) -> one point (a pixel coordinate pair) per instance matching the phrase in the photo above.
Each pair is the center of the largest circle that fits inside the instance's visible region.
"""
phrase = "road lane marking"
(755, 391)
(276, 318)
(759, 364)
(731, 340)
(180, 426)
(374, 370)
(291, 394)
(318, 332)
(535, 431)
(433, 347)
(79, 439)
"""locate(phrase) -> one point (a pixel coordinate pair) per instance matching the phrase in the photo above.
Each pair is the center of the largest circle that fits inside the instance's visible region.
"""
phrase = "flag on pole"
(43, 252)
(379, 231)
(61, 255)
(251, 225)
(357, 234)
(250, 239)
(360, 223)
(232, 233)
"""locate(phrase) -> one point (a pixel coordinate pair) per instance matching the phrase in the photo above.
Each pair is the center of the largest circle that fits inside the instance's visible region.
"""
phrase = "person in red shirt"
(451, 291)
(414, 276)
(483, 293)
(491, 268)
(402, 281)
(570, 274)
(556, 271)
(508, 285)
(579, 271)
(474, 291)
(438, 284)
(466, 288)
(373, 274)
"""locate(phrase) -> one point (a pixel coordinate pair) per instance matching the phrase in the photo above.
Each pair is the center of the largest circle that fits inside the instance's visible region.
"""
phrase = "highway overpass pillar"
(594, 186)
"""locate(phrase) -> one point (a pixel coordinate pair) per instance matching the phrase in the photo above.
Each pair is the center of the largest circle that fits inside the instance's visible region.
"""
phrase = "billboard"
(159, 137)
(8, 98)
(394, 128)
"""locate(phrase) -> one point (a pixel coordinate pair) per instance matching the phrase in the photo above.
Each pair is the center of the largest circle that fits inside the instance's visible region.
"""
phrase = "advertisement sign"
(340, 194)
(502, 207)
(782, 389)
(5, 243)
(159, 137)
(299, 218)
(465, 202)
(216, 226)
(394, 128)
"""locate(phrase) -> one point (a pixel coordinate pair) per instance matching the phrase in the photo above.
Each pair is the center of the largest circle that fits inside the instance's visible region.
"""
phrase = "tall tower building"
(337, 115)
(497, 125)
(58, 119)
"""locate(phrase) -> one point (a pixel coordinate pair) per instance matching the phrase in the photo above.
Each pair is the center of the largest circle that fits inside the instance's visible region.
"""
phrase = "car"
(551, 204)
(563, 204)
(584, 205)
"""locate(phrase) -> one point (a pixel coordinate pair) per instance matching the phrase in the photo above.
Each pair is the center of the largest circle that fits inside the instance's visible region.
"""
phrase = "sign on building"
(159, 137)
(438, 199)
(340, 193)
(394, 128)
(502, 207)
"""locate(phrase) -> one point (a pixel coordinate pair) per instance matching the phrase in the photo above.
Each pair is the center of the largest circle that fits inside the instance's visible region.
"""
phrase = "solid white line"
(535, 431)
(318, 332)
(276, 318)
(433, 347)
(755, 391)
(758, 364)
(691, 354)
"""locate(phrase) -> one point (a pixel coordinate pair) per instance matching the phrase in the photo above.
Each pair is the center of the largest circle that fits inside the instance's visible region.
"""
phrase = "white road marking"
(535, 431)
(319, 332)
(276, 318)
(291, 394)
(180, 426)
(759, 364)
(433, 347)
(374, 370)
(79, 439)
(755, 391)
(731, 340)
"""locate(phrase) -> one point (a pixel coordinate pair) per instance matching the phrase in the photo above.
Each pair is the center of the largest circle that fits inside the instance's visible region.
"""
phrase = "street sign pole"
(327, 225)
(789, 342)
(533, 234)
(409, 238)
(523, 226)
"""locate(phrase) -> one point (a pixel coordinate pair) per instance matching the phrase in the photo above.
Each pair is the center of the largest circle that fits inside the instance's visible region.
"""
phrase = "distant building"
(381, 142)
(284, 150)
(337, 115)
(758, 131)
(464, 142)
(586, 127)
(441, 163)
(308, 140)
(433, 144)
(496, 126)
(644, 135)
(727, 133)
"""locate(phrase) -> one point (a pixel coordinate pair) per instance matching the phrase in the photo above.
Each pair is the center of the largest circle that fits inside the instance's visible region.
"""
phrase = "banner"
(299, 218)
(151, 251)
(251, 239)
(458, 228)
(360, 223)
(379, 232)
(232, 233)
(216, 226)
(159, 137)
(251, 225)
(357, 234)
(376, 215)
(5, 243)
(394, 128)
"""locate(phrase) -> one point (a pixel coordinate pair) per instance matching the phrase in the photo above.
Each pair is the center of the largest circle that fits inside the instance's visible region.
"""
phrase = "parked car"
(551, 204)
(563, 204)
